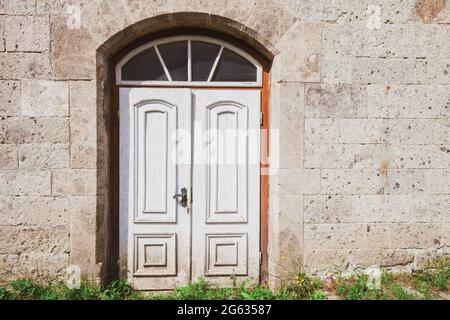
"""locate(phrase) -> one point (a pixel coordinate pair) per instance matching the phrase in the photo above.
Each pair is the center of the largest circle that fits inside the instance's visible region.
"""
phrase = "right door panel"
(226, 185)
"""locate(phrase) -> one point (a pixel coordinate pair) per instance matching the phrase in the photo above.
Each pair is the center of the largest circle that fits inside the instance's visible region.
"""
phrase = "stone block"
(337, 39)
(399, 208)
(406, 182)
(395, 131)
(9, 98)
(27, 33)
(22, 240)
(19, 65)
(73, 51)
(34, 130)
(15, 183)
(83, 236)
(271, 19)
(322, 261)
(368, 42)
(321, 131)
(411, 101)
(313, 10)
(337, 69)
(42, 98)
(291, 127)
(43, 156)
(419, 156)
(8, 156)
(380, 257)
(74, 182)
(336, 236)
(437, 181)
(351, 181)
(13, 266)
(327, 209)
(57, 7)
(363, 131)
(299, 181)
(336, 101)
(432, 71)
(290, 239)
(34, 211)
(442, 39)
(418, 131)
(17, 6)
(416, 235)
(83, 128)
(345, 156)
(300, 54)
(368, 70)
(380, 70)
(2, 33)
(391, 11)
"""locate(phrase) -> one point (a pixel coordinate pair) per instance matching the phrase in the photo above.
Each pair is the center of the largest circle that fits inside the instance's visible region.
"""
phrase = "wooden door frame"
(114, 146)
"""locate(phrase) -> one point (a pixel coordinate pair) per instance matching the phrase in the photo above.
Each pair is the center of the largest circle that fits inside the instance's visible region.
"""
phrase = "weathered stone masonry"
(363, 117)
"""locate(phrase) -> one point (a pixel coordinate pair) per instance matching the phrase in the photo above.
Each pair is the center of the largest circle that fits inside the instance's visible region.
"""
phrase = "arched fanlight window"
(189, 60)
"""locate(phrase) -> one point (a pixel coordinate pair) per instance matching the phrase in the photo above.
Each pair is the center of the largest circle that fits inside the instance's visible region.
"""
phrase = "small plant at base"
(117, 290)
(387, 277)
(355, 288)
(4, 294)
(302, 286)
(400, 293)
(317, 295)
(436, 275)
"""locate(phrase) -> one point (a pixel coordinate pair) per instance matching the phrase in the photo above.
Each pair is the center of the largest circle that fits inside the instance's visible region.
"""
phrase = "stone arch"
(206, 21)
(107, 230)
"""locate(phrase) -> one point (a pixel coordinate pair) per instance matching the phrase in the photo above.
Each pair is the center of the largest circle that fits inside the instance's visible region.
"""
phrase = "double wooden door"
(189, 186)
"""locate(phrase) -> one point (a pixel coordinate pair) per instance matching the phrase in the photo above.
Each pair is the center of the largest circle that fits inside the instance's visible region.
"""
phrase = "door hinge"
(261, 119)
(260, 258)
(118, 114)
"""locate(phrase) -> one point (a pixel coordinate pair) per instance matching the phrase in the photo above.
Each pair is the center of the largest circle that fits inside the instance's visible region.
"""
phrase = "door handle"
(182, 198)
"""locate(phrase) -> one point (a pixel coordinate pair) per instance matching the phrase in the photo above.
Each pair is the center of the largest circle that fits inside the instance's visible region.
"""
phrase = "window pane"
(203, 57)
(144, 66)
(175, 57)
(232, 67)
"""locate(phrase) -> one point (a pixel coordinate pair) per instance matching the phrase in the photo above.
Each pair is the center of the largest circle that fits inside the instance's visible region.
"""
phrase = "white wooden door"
(165, 242)
(226, 185)
(155, 247)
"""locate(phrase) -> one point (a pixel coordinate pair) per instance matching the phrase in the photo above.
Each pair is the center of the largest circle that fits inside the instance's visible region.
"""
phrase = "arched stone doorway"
(231, 32)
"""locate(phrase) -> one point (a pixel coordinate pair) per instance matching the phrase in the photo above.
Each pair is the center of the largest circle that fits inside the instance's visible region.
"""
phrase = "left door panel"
(155, 228)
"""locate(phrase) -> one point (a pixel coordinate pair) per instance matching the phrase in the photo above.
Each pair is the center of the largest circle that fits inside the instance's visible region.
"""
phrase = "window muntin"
(189, 60)
(132, 70)
(174, 56)
(232, 67)
(203, 56)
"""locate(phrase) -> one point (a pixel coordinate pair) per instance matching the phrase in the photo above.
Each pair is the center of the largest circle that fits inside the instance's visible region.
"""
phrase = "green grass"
(399, 293)
(435, 276)
(356, 288)
(424, 283)
(30, 289)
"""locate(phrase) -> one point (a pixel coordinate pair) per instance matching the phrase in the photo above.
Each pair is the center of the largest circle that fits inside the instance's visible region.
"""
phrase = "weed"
(400, 293)
(317, 295)
(355, 288)
(117, 290)
(436, 275)
(387, 277)
(301, 286)
(425, 281)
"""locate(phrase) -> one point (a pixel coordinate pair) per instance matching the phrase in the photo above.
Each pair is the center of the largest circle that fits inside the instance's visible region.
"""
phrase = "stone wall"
(362, 111)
